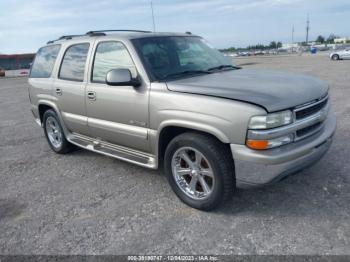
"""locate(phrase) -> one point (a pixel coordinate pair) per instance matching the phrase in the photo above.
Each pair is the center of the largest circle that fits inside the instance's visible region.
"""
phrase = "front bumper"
(256, 168)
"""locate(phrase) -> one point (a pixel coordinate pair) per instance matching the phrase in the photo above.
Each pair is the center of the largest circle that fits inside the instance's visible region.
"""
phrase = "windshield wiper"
(220, 67)
(197, 72)
(187, 72)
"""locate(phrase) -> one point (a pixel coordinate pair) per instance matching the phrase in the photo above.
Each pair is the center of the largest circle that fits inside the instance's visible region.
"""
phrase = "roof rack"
(67, 37)
(95, 33)
(116, 30)
(64, 37)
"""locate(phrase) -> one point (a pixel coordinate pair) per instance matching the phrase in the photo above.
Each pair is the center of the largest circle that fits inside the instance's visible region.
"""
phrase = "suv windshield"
(173, 57)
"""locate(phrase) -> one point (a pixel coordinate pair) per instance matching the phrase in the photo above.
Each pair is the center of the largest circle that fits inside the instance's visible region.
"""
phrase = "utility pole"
(307, 29)
(154, 24)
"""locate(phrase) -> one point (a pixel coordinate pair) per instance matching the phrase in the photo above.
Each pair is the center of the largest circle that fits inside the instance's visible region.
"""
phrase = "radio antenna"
(154, 24)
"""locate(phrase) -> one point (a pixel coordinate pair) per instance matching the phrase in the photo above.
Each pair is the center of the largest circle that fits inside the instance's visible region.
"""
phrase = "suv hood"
(274, 91)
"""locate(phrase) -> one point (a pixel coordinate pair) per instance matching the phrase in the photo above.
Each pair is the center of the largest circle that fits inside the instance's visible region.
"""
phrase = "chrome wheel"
(54, 132)
(193, 173)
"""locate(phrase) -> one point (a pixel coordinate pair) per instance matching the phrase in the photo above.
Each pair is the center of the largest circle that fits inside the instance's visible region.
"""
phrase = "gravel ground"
(84, 203)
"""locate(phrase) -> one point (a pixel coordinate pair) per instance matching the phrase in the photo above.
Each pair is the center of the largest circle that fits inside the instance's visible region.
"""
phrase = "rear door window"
(73, 63)
(44, 61)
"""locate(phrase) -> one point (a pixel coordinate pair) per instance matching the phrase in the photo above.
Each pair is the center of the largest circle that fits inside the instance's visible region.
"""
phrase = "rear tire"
(335, 57)
(54, 133)
(200, 170)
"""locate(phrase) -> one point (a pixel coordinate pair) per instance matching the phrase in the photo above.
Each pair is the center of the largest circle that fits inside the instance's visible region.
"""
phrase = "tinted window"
(44, 61)
(111, 55)
(171, 55)
(73, 64)
(157, 57)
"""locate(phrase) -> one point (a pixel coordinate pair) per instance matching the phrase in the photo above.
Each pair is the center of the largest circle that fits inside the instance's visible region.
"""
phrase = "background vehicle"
(171, 100)
(341, 54)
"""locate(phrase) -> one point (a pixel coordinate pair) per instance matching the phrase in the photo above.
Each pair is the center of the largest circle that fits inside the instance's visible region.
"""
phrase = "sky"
(27, 25)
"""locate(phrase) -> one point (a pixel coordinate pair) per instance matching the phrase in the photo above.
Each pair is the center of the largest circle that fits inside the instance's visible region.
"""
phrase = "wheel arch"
(169, 130)
(43, 106)
(336, 55)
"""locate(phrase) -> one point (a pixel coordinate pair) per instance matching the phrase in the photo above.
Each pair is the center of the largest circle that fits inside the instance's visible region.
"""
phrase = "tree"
(320, 39)
(279, 44)
(330, 39)
(273, 45)
(230, 49)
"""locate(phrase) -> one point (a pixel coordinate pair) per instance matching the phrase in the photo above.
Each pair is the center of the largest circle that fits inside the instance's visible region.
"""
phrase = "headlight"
(266, 122)
(271, 120)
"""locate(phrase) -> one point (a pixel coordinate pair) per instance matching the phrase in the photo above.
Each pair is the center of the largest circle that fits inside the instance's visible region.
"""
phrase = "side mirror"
(121, 77)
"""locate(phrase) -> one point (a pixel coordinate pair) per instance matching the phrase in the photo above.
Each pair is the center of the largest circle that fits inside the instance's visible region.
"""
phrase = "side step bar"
(119, 152)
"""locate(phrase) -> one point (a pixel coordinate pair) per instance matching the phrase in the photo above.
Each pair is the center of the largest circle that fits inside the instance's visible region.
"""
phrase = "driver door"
(116, 114)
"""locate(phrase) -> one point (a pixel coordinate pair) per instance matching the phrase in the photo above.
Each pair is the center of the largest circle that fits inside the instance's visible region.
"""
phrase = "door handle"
(59, 91)
(91, 95)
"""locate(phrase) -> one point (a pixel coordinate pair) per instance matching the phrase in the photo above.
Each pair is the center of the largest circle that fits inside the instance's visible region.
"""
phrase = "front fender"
(196, 126)
(192, 120)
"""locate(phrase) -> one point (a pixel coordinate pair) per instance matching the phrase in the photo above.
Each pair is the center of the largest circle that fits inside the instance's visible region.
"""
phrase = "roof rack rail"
(64, 37)
(67, 37)
(116, 30)
(95, 33)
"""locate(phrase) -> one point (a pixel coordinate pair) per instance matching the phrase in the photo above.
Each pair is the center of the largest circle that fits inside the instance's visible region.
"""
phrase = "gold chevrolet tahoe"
(171, 100)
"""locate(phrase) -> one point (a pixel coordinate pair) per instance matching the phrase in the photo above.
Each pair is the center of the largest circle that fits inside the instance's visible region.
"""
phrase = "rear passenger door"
(116, 114)
(69, 87)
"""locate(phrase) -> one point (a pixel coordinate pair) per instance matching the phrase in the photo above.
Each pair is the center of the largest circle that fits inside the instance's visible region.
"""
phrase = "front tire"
(335, 57)
(200, 170)
(54, 133)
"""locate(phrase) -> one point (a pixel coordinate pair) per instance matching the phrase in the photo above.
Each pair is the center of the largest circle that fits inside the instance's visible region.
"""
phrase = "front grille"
(312, 109)
(308, 130)
(313, 113)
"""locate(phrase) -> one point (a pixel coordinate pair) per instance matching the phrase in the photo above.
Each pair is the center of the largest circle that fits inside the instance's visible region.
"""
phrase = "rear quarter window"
(44, 61)
(73, 63)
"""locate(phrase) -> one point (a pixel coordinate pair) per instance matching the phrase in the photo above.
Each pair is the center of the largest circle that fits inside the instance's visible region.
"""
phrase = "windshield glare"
(172, 55)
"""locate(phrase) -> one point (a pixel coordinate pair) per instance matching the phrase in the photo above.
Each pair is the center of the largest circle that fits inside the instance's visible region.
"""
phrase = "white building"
(341, 40)
(289, 46)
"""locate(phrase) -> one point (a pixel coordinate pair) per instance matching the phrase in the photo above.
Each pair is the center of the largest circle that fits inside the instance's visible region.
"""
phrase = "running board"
(119, 152)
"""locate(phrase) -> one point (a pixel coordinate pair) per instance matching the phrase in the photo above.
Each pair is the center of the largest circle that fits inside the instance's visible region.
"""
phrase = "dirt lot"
(86, 203)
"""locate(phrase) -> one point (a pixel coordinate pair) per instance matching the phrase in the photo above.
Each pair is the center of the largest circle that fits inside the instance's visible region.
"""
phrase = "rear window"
(73, 63)
(44, 61)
